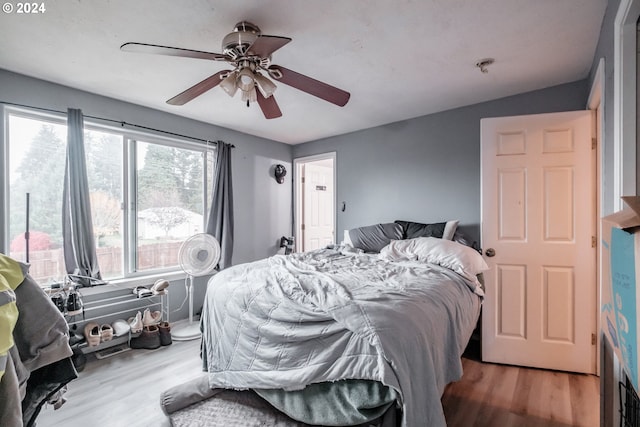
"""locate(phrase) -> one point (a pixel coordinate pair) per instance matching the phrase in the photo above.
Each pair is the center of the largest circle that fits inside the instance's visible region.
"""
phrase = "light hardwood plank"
(582, 389)
(124, 390)
(510, 396)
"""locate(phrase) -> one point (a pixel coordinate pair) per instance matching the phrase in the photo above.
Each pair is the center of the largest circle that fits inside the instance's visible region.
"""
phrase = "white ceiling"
(399, 59)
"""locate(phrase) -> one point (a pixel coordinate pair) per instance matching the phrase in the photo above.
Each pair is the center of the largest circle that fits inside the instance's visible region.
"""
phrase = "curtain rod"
(120, 122)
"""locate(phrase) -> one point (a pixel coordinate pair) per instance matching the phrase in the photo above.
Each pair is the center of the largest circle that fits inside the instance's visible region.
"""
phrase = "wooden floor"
(124, 390)
(498, 395)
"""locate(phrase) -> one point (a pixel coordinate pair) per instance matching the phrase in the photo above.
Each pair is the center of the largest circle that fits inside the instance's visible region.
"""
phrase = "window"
(169, 202)
(103, 151)
(141, 213)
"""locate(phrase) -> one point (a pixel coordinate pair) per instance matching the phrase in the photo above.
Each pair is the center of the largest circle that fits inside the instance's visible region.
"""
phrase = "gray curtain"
(220, 222)
(77, 229)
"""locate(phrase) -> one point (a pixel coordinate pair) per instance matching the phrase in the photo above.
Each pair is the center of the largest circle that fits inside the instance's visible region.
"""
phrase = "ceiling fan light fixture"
(266, 86)
(249, 95)
(246, 79)
(229, 83)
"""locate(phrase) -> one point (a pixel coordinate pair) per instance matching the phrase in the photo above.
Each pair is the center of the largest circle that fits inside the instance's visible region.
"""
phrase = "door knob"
(490, 252)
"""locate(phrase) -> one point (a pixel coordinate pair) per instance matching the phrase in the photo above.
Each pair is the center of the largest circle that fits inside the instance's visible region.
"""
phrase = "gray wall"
(426, 169)
(262, 207)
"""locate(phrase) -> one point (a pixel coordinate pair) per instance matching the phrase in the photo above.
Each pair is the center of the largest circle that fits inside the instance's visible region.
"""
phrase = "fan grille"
(199, 254)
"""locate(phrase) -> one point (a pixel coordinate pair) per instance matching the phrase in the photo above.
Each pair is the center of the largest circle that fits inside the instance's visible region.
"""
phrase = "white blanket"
(288, 321)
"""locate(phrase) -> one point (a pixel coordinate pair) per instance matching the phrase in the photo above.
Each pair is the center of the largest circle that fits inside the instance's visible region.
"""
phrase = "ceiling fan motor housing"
(236, 43)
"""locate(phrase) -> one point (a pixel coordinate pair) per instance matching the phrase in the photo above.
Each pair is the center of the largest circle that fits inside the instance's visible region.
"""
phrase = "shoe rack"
(106, 307)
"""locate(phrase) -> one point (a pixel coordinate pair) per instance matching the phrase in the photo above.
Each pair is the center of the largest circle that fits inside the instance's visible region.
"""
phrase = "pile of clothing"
(35, 356)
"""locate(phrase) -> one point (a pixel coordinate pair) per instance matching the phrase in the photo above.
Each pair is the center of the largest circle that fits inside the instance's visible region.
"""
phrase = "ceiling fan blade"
(198, 89)
(266, 45)
(269, 106)
(172, 51)
(312, 86)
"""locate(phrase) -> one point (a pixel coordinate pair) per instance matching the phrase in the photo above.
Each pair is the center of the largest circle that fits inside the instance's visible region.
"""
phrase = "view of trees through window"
(165, 181)
(170, 201)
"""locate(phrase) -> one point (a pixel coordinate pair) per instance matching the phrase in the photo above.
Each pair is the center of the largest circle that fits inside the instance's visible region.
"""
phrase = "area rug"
(195, 404)
(231, 408)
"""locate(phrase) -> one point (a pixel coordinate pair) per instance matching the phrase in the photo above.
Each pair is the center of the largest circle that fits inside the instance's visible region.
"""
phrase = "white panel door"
(318, 223)
(538, 218)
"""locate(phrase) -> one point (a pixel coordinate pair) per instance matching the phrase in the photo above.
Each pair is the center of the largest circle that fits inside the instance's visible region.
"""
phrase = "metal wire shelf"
(629, 405)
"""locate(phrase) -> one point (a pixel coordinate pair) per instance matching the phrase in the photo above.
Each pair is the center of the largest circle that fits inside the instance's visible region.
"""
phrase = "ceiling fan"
(249, 53)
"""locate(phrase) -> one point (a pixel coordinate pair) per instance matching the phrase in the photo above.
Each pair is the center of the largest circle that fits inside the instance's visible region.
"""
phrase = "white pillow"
(346, 239)
(450, 229)
(446, 253)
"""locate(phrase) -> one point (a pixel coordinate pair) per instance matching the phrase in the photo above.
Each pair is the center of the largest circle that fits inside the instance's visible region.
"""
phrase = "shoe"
(74, 303)
(58, 301)
(151, 317)
(92, 334)
(142, 292)
(159, 288)
(165, 333)
(106, 333)
(120, 327)
(135, 323)
(149, 338)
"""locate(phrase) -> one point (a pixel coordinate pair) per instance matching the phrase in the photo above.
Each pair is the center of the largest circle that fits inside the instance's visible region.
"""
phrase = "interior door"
(318, 209)
(539, 236)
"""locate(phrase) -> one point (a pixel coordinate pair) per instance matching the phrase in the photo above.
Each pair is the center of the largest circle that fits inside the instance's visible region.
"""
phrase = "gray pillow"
(411, 230)
(372, 238)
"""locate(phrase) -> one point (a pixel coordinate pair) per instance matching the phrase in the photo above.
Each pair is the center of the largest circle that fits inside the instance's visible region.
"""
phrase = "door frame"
(596, 104)
(624, 105)
(298, 199)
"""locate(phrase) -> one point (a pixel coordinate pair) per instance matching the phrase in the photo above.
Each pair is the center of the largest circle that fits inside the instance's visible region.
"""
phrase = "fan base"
(185, 331)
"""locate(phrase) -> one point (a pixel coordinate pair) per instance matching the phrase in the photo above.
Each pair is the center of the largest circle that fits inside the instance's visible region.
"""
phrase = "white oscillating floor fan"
(198, 256)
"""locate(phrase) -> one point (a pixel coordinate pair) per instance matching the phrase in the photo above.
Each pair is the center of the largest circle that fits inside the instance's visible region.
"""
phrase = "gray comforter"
(288, 321)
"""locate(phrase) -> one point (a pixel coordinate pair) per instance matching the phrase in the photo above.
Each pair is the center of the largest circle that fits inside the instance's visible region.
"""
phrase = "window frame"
(130, 139)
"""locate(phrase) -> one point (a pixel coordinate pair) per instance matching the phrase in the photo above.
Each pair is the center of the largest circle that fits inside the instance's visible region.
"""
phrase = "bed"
(351, 333)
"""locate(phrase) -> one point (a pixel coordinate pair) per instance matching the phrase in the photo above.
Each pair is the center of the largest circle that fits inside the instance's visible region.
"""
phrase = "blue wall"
(426, 169)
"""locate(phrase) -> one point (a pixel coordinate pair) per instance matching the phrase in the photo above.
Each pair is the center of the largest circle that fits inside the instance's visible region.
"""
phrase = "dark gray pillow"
(411, 230)
(372, 238)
